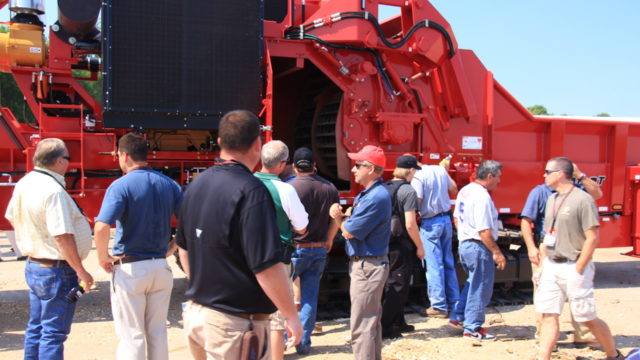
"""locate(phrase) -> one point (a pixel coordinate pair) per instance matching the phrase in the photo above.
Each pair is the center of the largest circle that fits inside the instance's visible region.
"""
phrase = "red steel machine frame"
(402, 84)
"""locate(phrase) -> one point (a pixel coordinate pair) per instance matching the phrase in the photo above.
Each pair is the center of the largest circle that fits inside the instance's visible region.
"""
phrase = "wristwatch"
(582, 177)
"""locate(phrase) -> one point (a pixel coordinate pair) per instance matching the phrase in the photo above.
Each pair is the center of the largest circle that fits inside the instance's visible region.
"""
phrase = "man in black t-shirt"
(310, 256)
(405, 239)
(231, 251)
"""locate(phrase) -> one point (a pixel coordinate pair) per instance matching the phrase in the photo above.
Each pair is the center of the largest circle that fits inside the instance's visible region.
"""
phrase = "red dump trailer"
(326, 74)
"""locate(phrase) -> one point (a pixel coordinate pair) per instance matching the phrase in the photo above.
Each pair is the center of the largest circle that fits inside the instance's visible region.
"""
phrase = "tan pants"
(140, 294)
(213, 335)
(368, 277)
(581, 332)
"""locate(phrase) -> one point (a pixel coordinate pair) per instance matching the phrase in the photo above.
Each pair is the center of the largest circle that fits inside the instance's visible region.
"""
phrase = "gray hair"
(48, 151)
(488, 167)
(273, 153)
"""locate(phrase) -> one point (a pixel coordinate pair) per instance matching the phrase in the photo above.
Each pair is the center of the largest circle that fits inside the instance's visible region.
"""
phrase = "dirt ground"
(93, 337)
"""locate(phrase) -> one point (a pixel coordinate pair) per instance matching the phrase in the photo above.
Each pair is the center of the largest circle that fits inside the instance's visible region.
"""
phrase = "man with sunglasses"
(366, 229)
(291, 217)
(54, 233)
(566, 272)
(531, 221)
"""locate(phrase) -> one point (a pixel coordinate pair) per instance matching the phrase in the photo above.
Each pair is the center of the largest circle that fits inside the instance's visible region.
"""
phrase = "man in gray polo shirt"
(566, 274)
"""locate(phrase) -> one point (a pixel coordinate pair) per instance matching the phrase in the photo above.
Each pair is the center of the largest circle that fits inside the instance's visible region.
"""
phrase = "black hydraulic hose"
(369, 17)
(375, 53)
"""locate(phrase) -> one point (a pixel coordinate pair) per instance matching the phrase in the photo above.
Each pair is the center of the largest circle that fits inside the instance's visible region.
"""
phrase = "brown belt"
(258, 317)
(50, 262)
(309, 245)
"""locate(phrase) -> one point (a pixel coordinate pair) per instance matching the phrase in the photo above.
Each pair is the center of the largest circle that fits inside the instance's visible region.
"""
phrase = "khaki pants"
(214, 335)
(140, 294)
(368, 277)
(581, 332)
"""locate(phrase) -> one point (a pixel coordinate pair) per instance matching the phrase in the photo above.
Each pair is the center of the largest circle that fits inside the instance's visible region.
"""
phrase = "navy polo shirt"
(141, 204)
(369, 222)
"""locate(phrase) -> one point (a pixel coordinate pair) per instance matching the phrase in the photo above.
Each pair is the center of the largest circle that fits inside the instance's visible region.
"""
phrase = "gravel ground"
(93, 337)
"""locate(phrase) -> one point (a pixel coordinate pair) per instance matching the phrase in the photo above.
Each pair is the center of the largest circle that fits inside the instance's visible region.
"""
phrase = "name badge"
(550, 239)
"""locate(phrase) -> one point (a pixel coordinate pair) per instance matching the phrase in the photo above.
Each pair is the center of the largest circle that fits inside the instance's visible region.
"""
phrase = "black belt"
(130, 259)
(365, 257)
(560, 259)
(49, 262)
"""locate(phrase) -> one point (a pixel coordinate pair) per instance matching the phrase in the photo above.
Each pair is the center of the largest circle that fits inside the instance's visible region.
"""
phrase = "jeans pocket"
(43, 285)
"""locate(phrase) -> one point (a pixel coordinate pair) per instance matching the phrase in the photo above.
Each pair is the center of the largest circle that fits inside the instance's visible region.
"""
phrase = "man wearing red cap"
(366, 228)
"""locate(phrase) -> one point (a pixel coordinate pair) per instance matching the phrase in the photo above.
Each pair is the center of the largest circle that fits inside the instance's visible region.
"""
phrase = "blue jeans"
(477, 262)
(442, 281)
(308, 264)
(51, 313)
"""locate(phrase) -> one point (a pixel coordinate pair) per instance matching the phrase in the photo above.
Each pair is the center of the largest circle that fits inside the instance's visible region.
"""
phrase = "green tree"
(11, 97)
(538, 110)
(603, 114)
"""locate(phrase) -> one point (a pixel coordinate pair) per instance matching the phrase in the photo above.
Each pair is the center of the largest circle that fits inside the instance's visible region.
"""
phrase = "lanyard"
(56, 180)
(556, 209)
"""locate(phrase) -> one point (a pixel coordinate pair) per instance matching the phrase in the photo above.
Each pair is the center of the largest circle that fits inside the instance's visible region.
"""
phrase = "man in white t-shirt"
(476, 219)
(291, 217)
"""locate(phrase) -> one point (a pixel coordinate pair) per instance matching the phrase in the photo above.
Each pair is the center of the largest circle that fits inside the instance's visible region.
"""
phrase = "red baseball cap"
(370, 153)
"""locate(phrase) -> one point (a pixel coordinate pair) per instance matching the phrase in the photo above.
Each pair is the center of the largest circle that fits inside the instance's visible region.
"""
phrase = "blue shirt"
(536, 204)
(141, 204)
(432, 186)
(370, 222)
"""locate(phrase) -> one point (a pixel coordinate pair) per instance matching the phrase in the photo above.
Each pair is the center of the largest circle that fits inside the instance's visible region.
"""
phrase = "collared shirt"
(369, 222)
(317, 195)
(475, 212)
(536, 204)
(227, 224)
(296, 216)
(41, 209)
(141, 204)
(432, 186)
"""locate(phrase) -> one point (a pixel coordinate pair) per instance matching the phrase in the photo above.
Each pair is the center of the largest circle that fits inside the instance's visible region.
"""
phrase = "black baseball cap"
(407, 162)
(303, 159)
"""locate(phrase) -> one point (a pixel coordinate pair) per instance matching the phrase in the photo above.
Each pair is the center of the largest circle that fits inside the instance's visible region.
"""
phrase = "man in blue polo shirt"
(141, 204)
(366, 228)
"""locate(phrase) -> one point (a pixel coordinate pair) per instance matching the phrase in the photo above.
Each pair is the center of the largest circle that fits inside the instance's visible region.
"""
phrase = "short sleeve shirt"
(316, 195)
(475, 212)
(577, 214)
(369, 222)
(432, 186)
(227, 223)
(141, 204)
(536, 205)
(41, 209)
(407, 198)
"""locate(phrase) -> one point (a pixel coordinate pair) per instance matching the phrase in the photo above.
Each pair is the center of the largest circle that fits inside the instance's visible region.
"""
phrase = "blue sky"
(574, 57)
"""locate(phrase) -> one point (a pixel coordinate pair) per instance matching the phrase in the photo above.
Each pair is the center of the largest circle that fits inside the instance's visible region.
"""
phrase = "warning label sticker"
(472, 142)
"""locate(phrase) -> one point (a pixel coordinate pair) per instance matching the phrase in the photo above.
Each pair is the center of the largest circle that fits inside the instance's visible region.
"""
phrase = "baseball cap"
(303, 159)
(407, 162)
(370, 153)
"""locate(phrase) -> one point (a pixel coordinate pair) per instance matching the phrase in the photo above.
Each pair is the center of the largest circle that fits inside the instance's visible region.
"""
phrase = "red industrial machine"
(326, 74)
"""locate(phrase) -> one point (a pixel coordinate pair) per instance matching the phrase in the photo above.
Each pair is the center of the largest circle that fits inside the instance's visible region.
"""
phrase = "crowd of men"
(243, 239)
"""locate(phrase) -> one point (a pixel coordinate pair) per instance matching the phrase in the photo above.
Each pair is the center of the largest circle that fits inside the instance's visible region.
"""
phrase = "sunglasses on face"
(550, 171)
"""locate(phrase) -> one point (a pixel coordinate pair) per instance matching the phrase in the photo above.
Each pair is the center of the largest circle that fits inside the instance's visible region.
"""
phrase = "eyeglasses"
(358, 165)
(550, 171)
(68, 158)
